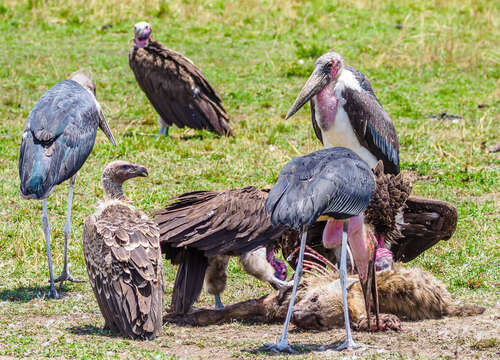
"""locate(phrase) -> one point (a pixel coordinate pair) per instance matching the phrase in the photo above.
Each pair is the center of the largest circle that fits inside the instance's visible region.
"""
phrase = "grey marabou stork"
(346, 112)
(333, 183)
(59, 136)
(176, 88)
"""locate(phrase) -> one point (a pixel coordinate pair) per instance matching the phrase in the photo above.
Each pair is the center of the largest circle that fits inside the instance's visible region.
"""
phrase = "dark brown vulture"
(176, 88)
(123, 258)
(201, 229)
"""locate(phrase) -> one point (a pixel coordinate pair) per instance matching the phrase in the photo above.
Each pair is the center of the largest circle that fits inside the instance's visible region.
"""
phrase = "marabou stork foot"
(348, 344)
(279, 347)
(53, 294)
(386, 322)
(66, 276)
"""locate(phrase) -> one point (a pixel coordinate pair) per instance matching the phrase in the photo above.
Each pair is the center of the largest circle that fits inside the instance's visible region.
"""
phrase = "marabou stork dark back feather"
(59, 136)
(333, 181)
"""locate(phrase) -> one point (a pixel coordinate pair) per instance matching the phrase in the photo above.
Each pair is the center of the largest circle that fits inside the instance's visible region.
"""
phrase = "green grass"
(257, 55)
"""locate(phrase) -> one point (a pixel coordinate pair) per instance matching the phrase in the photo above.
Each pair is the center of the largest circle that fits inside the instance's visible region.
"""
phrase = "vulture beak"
(103, 125)
(316, 82)
(363, 246)
(141, 171)
(143, 33)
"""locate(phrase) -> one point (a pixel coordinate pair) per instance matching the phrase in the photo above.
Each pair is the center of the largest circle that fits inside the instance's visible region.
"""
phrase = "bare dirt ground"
(449, 338)
(462, 338)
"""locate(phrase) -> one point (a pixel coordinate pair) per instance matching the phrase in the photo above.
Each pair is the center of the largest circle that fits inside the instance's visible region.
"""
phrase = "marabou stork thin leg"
(65, 275)
(218, 303)
(46, 232)
(349, 342)
(282, 344)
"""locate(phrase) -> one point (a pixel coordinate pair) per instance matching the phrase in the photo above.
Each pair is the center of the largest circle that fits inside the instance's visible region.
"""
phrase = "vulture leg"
(218, 303)
(282, 344)
(349, 342)
(65, 275)
(46, 232)
(163, 128)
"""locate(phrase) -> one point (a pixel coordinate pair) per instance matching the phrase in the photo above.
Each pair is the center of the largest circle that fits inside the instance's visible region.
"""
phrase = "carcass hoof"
(386, 322)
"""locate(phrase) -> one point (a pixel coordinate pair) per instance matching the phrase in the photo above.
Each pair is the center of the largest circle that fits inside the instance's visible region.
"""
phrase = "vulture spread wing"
(122, 254)
(177, 89)
(371, 123)
(425, 223)
(202, 224)
(217, 222)
(333, 181)
(59, 135)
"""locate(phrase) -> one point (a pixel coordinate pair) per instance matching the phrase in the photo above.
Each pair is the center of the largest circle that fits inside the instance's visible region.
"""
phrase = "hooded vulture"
(176, 88)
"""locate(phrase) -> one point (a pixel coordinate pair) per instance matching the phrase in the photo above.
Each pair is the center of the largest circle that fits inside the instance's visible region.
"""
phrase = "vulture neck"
(112, 189)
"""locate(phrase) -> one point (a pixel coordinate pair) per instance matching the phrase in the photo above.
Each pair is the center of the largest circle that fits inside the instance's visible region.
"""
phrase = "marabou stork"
(333, 183)
(176, 88)
(346, 112)
(201, 229)
(59, 136)
(123, 258)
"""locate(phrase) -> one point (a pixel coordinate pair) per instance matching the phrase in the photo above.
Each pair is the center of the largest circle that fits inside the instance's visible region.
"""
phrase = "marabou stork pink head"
(327, 69)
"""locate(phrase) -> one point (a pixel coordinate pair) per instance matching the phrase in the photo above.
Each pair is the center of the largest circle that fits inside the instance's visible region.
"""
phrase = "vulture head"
(278, 265)
(85, 80)
(327, 70)
(142, 34)
(118, 172)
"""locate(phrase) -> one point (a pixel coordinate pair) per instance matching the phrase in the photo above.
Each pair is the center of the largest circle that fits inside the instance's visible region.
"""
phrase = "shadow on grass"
(299, 349)
(91, 330)
(24, 293)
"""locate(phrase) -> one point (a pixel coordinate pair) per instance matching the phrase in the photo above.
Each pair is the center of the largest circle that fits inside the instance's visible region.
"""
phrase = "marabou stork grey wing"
(59, 135)
(217, 222)
(316, 128)
(177, 89)
(123, 259)
(372, 125)
(333, 182)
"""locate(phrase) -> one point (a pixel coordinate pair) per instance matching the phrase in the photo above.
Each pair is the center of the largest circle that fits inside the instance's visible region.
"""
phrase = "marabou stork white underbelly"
(341, 133)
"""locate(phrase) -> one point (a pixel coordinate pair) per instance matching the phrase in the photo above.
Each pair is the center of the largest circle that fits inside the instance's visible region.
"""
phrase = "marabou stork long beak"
(363, 247)
(316, 82)
(103, 125)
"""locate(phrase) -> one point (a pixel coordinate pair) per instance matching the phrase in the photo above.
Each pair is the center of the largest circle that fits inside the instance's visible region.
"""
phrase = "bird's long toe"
(279, 347)
(66, 276)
